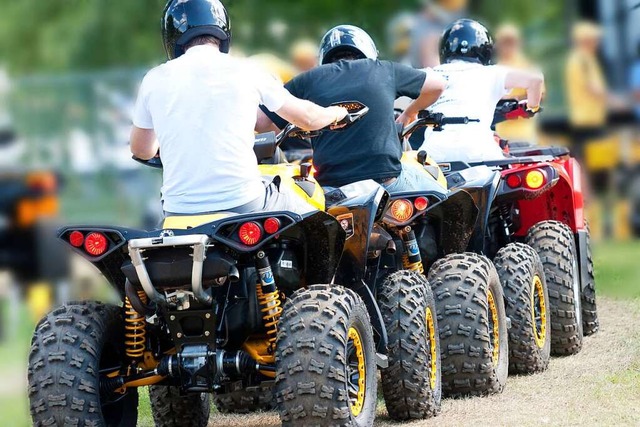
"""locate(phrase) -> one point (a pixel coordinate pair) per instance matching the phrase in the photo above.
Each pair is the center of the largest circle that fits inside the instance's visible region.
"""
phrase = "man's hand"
(406, 118)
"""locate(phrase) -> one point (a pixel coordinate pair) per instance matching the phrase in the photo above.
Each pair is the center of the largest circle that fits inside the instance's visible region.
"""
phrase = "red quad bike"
(534, 196)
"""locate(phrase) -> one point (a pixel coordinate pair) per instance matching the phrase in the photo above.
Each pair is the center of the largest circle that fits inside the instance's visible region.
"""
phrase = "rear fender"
(564, 202)
(357, 207)
(456, 219)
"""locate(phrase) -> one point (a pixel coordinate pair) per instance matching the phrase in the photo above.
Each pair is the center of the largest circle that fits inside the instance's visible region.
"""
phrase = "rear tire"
(70, 346)
(526, 304)
(555, 244)
(170, 409)
(472, 325)
(325, 353)
(244, 400)
(590, 322)
(411, 384)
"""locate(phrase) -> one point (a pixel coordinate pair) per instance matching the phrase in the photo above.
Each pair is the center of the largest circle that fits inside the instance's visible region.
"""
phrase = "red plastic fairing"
(564, 202)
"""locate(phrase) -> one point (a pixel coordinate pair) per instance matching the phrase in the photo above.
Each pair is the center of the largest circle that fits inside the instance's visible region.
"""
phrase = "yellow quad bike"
(400, 301)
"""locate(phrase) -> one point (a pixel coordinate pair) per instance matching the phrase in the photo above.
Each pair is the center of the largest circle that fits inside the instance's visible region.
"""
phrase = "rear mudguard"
(481, 183)
(455, 219)
(357, 207)
(564, 202)
(321, 234)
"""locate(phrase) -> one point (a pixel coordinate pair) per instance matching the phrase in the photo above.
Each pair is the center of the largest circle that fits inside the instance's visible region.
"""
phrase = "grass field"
(600, 386)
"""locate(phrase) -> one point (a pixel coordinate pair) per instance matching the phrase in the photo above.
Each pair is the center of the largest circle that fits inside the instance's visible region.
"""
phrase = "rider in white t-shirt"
(202, 108)
(474, 87)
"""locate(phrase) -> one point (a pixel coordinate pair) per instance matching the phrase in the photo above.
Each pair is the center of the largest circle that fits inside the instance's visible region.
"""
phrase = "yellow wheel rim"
(494, 329)
(357, 373)
(431, 330)
(538, 312)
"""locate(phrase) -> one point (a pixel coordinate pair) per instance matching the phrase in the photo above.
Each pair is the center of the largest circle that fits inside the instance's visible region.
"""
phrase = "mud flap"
(379, 329)
(581, 244)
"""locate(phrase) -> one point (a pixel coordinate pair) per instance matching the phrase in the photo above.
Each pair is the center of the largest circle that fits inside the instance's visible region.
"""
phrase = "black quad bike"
(431, 228)
(222, 304)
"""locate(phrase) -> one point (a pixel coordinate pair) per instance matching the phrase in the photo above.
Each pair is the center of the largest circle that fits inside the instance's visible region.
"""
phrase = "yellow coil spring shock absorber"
(135, 330)
(411, 259)
(268, 298)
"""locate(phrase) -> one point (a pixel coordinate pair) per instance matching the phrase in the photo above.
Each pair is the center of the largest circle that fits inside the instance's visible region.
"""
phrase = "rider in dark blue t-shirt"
(370, 149)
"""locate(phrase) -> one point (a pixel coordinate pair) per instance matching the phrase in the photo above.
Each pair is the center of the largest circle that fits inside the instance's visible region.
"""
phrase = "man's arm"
(304, 114)
(432, 88)
(144, 144)
(531, 81)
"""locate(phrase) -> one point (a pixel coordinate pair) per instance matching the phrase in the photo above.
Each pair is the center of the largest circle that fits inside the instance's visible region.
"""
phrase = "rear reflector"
(76, 238)
(272, 225)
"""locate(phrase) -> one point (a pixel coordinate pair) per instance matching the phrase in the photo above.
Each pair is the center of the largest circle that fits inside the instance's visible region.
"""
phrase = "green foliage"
(56, 35)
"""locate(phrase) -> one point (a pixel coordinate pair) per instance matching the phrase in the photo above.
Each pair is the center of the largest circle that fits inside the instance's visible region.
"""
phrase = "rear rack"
(198, 242)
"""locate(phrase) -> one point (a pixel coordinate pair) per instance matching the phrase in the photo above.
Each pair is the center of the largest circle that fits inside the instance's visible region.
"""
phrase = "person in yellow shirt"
(510, 53)
(586, 88)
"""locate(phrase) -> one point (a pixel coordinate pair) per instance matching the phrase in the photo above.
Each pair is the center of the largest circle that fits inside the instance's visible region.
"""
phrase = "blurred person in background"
(474, 87)
(586, 88)
(587, 99)
(201, 105)
(278, 68)
(399, 32)
(510, 53)
(634, 83)
(304, 55)
(370, 149)
(435, 16)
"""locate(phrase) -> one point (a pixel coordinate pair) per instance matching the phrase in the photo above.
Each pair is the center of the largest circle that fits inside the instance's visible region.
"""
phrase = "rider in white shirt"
(202, 108)
(474, 87)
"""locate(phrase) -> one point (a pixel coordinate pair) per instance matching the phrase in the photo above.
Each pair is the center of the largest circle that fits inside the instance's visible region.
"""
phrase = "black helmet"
(466, 40)
(346, 39)
(184, 20)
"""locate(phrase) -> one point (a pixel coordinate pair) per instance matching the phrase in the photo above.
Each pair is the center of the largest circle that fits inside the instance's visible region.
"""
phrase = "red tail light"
(272, 225)
(250, 233)
(514, 181)
(76, 238)
(96, 244)
(421, 203)
(401, 210)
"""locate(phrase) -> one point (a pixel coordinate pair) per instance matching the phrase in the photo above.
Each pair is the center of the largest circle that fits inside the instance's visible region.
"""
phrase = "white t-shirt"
(203, 108)
(472, 90)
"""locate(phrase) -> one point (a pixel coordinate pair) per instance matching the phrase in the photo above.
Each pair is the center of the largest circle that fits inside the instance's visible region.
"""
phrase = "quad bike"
(534, 196)
(225, 303)
(407, 333)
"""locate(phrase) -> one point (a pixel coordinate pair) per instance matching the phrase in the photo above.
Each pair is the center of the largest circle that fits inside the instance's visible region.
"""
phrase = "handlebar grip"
(455, 120)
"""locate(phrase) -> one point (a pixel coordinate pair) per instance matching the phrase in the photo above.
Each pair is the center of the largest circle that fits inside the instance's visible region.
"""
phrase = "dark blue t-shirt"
(370, 148)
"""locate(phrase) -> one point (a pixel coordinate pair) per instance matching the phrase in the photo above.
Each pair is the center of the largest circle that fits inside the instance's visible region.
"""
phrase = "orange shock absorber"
(268, 298)
(411, 259)
(135, 328)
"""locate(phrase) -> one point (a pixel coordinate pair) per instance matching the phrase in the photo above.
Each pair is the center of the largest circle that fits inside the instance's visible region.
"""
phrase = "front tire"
(170, 409)
(411, 384)
(555, 244)
(70, 346)
(526, 303)
(325, 359)
(472, 325)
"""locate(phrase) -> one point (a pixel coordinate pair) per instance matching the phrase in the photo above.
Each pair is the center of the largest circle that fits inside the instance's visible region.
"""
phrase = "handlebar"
(359, 111)
(435, 120)
(512, 109)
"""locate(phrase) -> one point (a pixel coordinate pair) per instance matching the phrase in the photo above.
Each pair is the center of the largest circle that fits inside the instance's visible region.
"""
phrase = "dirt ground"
(600, 386)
